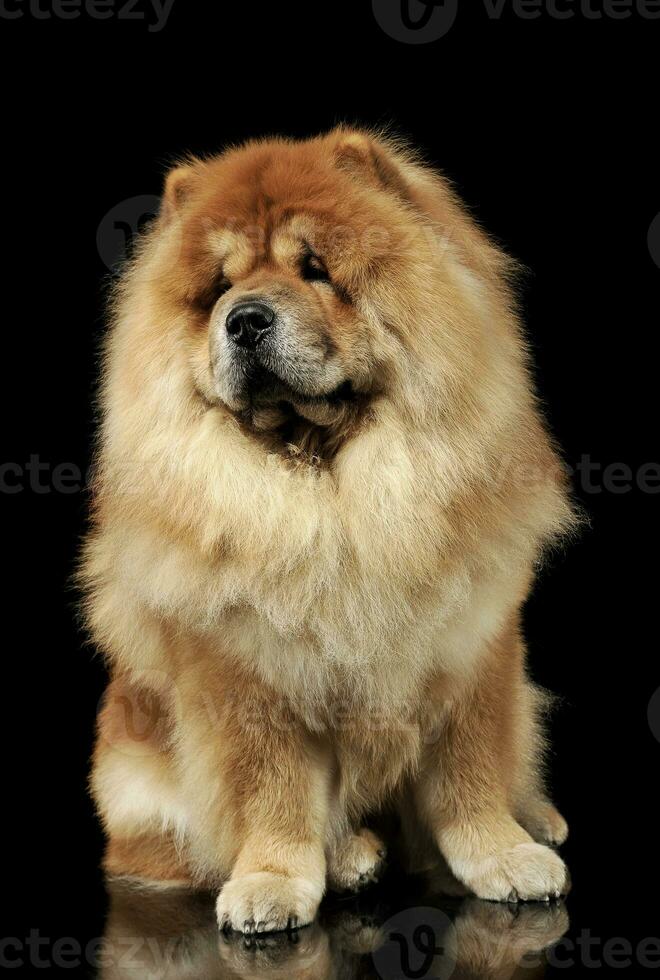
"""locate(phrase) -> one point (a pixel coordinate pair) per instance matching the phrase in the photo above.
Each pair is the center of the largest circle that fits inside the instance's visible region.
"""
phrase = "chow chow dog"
(323, 487)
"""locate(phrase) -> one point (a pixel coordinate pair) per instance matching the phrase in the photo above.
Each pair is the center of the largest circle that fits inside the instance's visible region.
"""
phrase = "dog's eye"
(313, 269)
(210, 296)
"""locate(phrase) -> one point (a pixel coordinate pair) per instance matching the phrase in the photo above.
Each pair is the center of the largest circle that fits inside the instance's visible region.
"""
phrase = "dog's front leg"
(280, 779)
(464, 792)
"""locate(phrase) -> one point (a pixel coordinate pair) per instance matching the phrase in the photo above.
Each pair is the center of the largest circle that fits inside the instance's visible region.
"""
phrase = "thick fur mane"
(448, 480)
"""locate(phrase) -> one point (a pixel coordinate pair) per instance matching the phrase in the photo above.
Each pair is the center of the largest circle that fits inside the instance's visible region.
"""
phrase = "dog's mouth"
(266, 375)
(294, 402)
(264, 386)
(263, 382)
(269, 403)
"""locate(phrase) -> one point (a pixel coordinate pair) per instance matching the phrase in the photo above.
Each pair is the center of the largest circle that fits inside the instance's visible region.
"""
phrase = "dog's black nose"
(248, 323)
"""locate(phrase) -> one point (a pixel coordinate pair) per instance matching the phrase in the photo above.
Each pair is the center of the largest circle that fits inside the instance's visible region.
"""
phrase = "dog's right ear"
(180, 183)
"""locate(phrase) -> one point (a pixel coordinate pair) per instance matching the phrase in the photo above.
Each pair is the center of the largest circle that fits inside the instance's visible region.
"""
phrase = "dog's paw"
(360, 935)
(522, 929)
(266, 902)
(545, 824)
(276, 956)
(356, 861)
(526, 872)
(492, 939)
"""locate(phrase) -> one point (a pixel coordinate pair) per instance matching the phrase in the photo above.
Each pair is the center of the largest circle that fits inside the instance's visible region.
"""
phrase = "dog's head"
(306, 279)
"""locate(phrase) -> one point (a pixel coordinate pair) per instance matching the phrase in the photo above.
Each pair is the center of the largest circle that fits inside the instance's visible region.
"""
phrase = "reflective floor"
(401, 929)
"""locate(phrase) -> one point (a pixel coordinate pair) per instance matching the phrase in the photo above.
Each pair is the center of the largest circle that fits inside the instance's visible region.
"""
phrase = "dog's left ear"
(388, 164)
(369, 158)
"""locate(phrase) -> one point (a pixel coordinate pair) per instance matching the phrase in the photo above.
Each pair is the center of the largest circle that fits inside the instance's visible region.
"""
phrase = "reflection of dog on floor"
(173, 935)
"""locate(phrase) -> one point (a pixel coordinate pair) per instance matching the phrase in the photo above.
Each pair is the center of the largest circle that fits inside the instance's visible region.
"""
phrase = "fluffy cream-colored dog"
(323, 487)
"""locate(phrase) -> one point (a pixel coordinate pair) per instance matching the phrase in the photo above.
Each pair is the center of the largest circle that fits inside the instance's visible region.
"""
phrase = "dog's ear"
(390, 164)
(180, 183)
(370, 159)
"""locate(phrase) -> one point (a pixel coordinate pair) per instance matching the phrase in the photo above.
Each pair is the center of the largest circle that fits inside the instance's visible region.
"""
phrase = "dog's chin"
(268, 403)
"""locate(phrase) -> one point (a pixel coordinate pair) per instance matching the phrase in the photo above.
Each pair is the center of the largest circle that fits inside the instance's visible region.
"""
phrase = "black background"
(549, 129)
